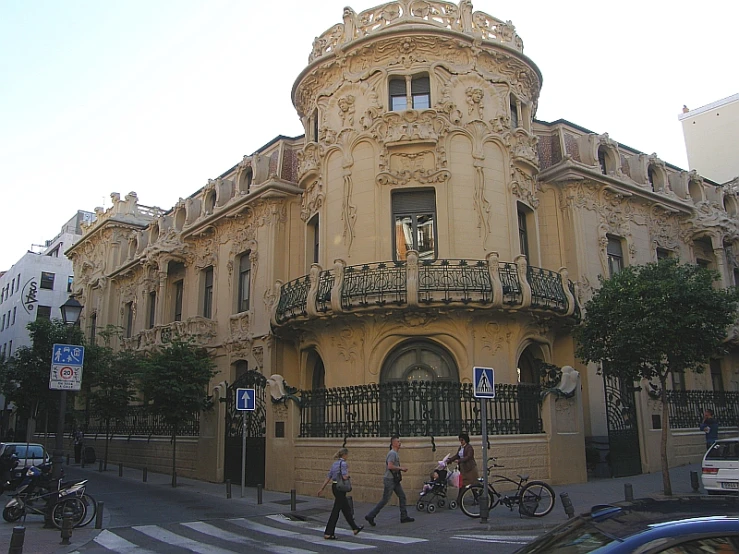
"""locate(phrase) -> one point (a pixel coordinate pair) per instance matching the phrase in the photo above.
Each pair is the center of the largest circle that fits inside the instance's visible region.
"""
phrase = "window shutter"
(420, 85)
(397, 86)
(414, 201)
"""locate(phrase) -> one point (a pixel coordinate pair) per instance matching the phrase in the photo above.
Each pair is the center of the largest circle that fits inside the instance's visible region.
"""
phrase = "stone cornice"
(570, 170)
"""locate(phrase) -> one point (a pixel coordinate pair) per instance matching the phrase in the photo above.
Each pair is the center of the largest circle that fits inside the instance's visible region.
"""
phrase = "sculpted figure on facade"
(474, 102)
(346, 110)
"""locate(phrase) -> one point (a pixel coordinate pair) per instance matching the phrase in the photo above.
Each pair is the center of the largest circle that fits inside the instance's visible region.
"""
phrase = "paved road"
(197, 517)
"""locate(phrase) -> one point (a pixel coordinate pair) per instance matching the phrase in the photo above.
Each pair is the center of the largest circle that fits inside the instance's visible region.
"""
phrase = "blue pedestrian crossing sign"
(66, 367)
(483, 381)
(246, 399)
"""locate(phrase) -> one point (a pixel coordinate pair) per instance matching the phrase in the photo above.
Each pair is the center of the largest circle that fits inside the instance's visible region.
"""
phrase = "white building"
(711, 136)
(37, 285)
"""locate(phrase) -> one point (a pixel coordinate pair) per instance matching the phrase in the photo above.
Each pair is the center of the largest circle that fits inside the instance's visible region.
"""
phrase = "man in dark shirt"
(710, 427)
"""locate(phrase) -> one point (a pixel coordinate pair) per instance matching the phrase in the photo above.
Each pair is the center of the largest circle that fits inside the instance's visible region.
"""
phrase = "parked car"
(720, 474)
(29, 454)
(647, 526)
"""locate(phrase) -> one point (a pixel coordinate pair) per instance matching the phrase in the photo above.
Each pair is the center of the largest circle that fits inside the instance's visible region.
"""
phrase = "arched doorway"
(528, 370)
(252, 424)
(419, 391)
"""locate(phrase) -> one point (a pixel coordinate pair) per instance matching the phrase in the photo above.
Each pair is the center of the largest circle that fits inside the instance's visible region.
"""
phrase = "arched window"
(419, 360)
(528, 390)
(419, 391)
(240, 367)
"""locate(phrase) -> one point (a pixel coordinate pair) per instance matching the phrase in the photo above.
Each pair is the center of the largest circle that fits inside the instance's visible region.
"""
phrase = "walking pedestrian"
(391, 484)
(709, 426)
(465, 457)
(339, 471)
(79, 440)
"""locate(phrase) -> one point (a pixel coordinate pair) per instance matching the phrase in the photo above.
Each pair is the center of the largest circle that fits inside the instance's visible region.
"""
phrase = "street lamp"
(71, 311)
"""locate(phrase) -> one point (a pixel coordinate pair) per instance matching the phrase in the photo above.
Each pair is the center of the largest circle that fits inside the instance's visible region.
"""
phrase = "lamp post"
(71, 311)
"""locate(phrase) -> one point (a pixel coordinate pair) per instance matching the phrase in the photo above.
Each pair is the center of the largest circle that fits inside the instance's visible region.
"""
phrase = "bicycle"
(533, 498)
(69, 503)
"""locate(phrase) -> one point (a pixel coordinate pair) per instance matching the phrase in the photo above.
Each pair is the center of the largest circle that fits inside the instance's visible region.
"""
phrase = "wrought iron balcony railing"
(412, 283)
(418, 409)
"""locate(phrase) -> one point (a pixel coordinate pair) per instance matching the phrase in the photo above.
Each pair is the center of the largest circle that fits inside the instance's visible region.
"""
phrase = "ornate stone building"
(425, 223)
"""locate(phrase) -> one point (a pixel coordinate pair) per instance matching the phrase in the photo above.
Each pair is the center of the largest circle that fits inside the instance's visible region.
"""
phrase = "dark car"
(672, 526)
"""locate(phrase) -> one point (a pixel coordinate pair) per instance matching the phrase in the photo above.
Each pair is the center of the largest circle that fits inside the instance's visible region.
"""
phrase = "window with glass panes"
(152, 308)
(615, 256)
(244, 281)
(179, 289)
(414, 213)
(523, 237)
(408, 92)
(47, 280)
(208, 292)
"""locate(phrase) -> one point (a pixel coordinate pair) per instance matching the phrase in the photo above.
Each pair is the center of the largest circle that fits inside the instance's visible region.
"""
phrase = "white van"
(720, 474)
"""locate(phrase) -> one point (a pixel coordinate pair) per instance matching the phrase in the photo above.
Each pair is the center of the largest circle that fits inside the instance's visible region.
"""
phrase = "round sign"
(66, 373)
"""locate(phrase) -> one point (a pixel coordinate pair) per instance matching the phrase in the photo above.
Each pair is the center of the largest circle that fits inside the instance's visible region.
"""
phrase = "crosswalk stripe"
(174, 539)
(217, 532)
(371, 536)
(267, 530)
(113, 542)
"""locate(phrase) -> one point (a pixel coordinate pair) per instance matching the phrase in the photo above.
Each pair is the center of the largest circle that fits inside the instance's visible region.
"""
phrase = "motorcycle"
(12, 475)
(34, 497)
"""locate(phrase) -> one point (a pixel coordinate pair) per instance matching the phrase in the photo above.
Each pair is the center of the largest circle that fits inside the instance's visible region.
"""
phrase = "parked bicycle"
(533, 498)
(70, 502)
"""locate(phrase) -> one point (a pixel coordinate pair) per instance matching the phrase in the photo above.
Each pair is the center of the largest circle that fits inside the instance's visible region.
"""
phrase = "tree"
(655, 320)
(108, 387)
(26, 379)
(174, 382)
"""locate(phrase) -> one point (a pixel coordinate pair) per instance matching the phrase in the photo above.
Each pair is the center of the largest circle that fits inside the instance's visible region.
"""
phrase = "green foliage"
(25, 380)
(174, 380)
(648, 321)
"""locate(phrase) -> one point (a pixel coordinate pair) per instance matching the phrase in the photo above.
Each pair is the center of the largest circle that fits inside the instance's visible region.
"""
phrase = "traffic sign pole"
(485, 498)
(243, 453)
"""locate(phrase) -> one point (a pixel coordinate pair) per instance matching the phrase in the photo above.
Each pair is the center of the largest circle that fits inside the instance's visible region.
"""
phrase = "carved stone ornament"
(413, 167)
(312, 200)
(525, 187)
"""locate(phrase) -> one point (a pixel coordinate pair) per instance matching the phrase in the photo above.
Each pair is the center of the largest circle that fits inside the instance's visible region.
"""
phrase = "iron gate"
(256, 431)
(623, 428)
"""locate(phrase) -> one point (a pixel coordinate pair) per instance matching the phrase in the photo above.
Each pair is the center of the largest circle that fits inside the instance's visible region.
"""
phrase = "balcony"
(201, 329)
(488, 283)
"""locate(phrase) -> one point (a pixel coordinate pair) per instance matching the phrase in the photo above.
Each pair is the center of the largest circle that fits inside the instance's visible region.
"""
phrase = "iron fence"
(379, 284)
(454, 281)
(686, 407)
(417, 409)
(138, 422)
(546, 289)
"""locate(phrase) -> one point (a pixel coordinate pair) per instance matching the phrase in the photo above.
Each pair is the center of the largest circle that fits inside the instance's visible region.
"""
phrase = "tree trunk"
(107, 442)
(174, 456)
(666, 484)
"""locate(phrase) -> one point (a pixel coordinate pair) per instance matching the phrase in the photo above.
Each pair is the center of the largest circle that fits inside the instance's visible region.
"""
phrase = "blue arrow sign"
(245, 399)
(483, 381)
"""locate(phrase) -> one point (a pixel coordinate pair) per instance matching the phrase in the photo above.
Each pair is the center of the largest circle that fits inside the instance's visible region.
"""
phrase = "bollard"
(120, 470)
(67, 459)
(174, 479)
(694, 480)
(259, 494)
(567, 505)
(144, 475)
(66, 529)
(628, 492)
(16, 541)
(100, 466)
(293, 500)
(83, 460)
(228, 488)
(99, 516)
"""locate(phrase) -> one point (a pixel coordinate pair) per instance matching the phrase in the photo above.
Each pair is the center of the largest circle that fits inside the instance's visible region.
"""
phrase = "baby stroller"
(433, 494)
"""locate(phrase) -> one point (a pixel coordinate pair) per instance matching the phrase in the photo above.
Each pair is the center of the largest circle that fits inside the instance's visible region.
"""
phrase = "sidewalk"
(583, 496)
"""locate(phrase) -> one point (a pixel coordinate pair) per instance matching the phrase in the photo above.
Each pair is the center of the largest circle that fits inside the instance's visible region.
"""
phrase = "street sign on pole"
(246, 402)
(483, 382)
(245, 399)
(66, 367)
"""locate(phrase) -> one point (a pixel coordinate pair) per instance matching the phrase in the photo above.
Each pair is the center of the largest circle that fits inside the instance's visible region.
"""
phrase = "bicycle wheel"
(69, 507)
(537, 499)
(91, 508)
(469, 500)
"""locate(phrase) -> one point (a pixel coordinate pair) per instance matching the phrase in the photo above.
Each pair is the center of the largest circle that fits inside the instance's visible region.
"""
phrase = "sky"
(158, 96)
